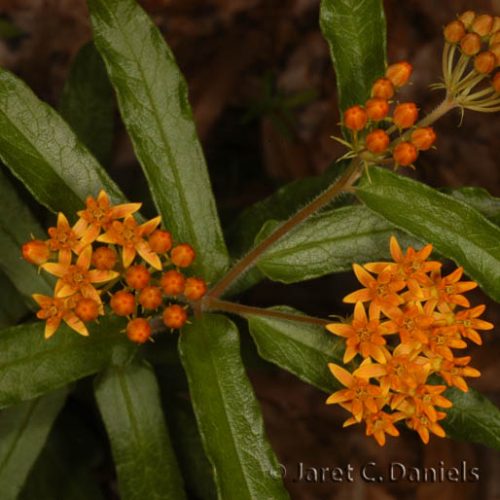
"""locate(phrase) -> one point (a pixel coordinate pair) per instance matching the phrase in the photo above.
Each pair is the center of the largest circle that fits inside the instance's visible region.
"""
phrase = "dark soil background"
(229, 50)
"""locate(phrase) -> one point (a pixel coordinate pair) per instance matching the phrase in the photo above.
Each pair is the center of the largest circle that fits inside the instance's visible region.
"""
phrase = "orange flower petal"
(340, 329)
(395, 249)
(149, 226)
(148, 255)
(56, 269)
(128, 255)
(76, 324)
(364, 277)
(51, 326)
(101, 276)
(362, 295)
(341, 374)
(124, 210)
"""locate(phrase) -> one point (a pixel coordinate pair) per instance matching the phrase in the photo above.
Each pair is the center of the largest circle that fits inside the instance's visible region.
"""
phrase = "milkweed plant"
(111, 294)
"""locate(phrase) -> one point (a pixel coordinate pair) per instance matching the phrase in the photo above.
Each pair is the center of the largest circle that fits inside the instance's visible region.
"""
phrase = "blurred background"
(263, 94)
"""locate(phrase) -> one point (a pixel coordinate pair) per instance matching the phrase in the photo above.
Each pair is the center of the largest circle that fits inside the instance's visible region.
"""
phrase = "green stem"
(214, 304)
(344, 182)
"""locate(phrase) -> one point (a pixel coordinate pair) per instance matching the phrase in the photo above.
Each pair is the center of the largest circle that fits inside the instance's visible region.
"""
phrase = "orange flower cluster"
(475, 39)
(105, 249)
(416, 318)
(373, 124)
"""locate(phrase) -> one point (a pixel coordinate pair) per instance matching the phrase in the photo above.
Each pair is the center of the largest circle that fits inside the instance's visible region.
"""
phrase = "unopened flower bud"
(139, 330)
(174, 316)
(454, 31)
(467, 18)
(36, 252)
(355, 118)
(495, 82)
(150, 297)
(399, 74)
(122, 303)
(377, 141)
(160, 241)
(470, 44)
(404, 154)
(377, 108)
(383, 89)
(195, 288)
(496, 24)
(137, 277)
(104, 258)
(485, 62)
(405, 115)
(482, 24)
(182, 255)
(496, 50)
(495, 38)
(423, 138)
(87, 309)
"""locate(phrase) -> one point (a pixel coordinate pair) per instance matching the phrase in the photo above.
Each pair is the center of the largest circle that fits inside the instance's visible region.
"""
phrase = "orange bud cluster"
(107, 248)
(426, 317)
(373, 124)
(477, 37)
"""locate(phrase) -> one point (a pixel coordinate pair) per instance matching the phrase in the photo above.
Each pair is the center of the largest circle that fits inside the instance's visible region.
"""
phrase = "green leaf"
(356, 34)
(31, 366)
(23, 431)
(327, 243)
(41, 150)
(87, 103)
(66, 468)
(228, 414)
(479, 199)
(473, 417)
(456, 230)
(16, 227)
(129, 402)
(302, 349)
(12, 304)
(152, 96)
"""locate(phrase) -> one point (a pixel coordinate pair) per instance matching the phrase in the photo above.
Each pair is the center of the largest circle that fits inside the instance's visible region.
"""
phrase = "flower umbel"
(431, 317)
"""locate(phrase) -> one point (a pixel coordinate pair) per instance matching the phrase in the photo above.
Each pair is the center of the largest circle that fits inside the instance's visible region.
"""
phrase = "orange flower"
(359, 394)
(441, 341)
(412, 265)
(412, 324)
(78, 278)
(379, 424)
(467, 323)
(364, 336)
(448, 290)
(98, 215)
(63, 239)
(423, 424)
(381, 292)
(453, 372)
(130, 236)
(53, 311)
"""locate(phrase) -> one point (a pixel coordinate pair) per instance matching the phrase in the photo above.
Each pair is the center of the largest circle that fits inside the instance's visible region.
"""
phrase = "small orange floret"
(377, 108)
(182, 255)
(485, 62)
(496, 82)
(355, 118)
(137, 277)
(174, 316)
(404, 154)
(383, 89)
(123, 303)
(150, 297)
(87, 309)
(160, 241)
(36, 252)
(172, 282)
(405, 115)
(423, 138)
(377, 141)
(495, 49)
(399, 74)
(454, 31)
(195, 288)
(482, 24)
(104, 258)
(470, 44)
(467, 18)
(495, 38)
(138, 330)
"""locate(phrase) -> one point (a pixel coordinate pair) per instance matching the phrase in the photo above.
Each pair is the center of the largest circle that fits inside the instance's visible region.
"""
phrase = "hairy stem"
(215, 304)
(344, 182)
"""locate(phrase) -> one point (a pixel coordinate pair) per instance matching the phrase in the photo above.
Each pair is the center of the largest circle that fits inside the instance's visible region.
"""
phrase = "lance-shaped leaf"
(228, 414)
(456, 230)
(300, 348)
(152, 96)
(87, 102)
(356, 34)
(129, 401)
(479, 199)
(17, 225)
(41, 150)
(31, 366)
(23, 431)
(473, 417)
(327, 243)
